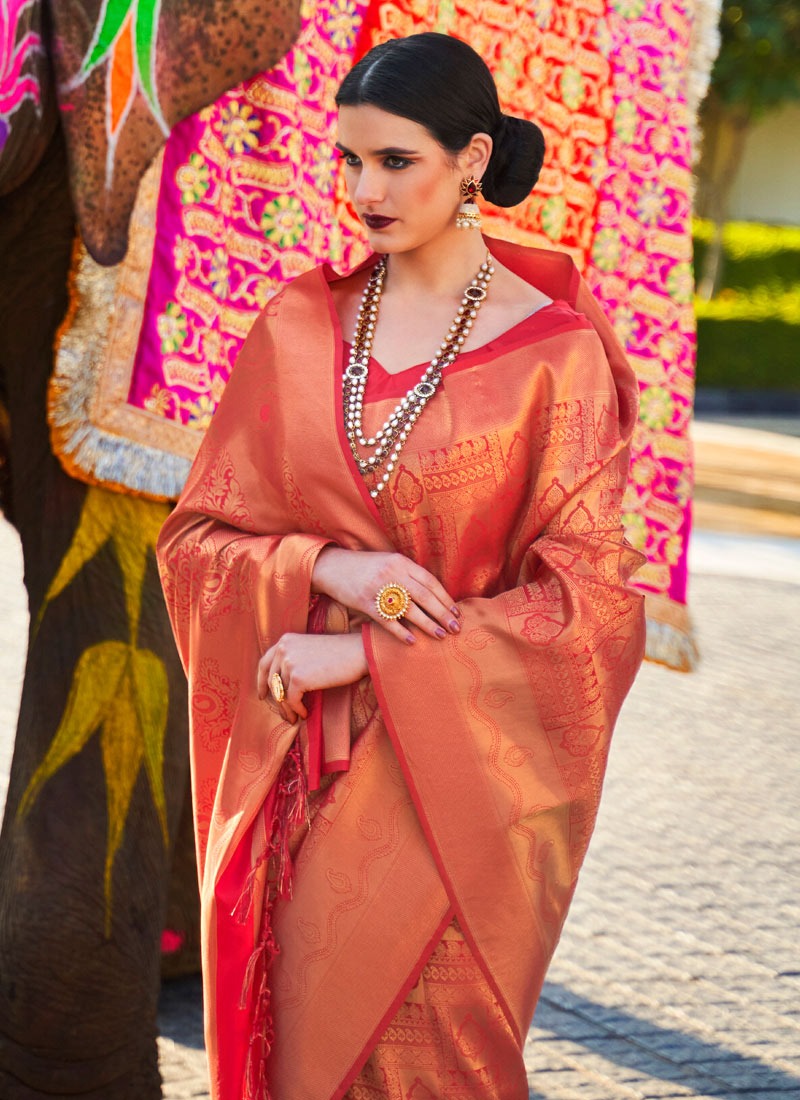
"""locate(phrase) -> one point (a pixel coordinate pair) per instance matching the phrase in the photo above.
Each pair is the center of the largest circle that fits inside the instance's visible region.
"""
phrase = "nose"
(369, 188)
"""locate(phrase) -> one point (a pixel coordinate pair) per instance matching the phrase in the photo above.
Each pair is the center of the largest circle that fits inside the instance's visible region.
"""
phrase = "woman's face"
(403, 184)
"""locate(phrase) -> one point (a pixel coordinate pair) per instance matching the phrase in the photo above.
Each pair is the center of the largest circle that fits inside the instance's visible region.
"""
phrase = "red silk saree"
(463, 776)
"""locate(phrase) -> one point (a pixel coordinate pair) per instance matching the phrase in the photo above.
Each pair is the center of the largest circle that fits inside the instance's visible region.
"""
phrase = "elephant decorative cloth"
(246, 197)
(119, 75)
(461, 778)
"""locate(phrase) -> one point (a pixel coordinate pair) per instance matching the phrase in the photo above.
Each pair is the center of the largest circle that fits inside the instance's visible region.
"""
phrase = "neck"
(441, 268)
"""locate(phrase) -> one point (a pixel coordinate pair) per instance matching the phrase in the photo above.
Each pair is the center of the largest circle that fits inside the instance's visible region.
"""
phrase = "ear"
(475, 157)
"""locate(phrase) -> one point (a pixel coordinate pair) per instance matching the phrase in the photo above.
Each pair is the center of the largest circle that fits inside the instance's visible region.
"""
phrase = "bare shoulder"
(513, 292)
(509, 301)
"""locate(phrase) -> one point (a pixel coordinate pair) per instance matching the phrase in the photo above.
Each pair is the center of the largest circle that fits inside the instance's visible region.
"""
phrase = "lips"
(375, 221)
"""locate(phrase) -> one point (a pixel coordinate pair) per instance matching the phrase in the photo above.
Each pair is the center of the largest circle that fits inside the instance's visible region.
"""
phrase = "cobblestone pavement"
(678, 972)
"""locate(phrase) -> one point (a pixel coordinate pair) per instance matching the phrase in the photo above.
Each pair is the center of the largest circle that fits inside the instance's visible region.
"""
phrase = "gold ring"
(276, 687)
(392, 601)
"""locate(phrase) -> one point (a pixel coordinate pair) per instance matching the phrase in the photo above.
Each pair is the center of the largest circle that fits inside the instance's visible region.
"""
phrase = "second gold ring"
(276, 687)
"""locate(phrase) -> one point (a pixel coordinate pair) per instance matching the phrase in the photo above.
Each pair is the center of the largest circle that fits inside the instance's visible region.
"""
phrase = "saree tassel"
(261, 1033)
(291, 810)
(241, 911)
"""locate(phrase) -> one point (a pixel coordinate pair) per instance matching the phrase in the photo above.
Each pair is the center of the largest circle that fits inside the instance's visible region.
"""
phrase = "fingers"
(431, 607)
(264, 673)
(270, 665)
(431, 610)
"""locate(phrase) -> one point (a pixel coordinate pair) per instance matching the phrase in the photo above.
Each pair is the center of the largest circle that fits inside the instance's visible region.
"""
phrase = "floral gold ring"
(277, 690)
(392, 601)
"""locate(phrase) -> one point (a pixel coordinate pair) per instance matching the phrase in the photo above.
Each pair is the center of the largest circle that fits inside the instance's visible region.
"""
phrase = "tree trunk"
(725, 135)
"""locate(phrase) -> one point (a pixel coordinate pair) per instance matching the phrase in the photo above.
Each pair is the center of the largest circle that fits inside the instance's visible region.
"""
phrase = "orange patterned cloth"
(474, 777)
(440, 1033)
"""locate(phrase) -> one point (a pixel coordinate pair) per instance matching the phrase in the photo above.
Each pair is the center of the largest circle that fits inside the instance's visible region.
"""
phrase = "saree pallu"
(462, 811)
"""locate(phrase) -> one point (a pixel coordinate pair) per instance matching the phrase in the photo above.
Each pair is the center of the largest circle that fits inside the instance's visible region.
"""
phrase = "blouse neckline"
(383, 383)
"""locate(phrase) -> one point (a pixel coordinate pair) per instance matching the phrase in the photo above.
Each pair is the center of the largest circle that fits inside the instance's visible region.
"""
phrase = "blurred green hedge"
(748, 337)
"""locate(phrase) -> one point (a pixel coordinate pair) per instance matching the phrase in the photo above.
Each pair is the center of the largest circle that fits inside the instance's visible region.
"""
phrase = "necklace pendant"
(356, 371)
(387, 443)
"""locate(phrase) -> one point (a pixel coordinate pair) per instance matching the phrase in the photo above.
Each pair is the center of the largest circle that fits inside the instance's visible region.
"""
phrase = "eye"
(397, 162)
(350, 159)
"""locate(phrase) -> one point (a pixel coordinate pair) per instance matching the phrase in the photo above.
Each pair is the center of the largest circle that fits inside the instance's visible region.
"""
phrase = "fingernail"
(455, 611)
(440, 633)
(411, 639)
(454, 626)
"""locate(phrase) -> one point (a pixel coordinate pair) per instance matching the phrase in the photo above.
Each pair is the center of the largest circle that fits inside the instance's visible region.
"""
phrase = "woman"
(399, 592)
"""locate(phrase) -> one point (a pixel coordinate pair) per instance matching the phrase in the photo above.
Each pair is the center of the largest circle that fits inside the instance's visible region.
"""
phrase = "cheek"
(435, 197)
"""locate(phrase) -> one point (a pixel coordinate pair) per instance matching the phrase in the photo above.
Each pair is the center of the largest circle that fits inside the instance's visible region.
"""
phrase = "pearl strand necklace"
(389, 440)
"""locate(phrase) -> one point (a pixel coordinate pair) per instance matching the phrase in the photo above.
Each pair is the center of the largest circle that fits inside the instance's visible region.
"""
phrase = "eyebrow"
(389, 151)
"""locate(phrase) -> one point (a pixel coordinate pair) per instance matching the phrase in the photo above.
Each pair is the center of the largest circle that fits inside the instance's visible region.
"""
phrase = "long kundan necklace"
(383, 449)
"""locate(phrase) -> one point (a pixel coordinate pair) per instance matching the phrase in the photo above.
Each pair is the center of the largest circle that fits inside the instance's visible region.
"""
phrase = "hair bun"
(516, 161)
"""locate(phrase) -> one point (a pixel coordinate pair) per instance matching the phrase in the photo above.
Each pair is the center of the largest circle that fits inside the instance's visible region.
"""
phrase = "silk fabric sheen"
(472, 788)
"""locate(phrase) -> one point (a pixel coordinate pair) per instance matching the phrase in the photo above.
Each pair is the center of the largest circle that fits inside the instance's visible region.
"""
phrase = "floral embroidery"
(238, 127)
(629, 9)
(573, 89)
(160, 401)
(340, 24)
(303, 73)
(321, 170)
(624, 323)
(606, 250)
(219, 275)
(656, 407)
(182, 254)
(680, 283)
(673, 549)
(625, 119)
(282, 221)
(172, 328)
(543, 12)
(651, 202)
(192, 179)
(554, 217)
(215, 346)
(201, 412)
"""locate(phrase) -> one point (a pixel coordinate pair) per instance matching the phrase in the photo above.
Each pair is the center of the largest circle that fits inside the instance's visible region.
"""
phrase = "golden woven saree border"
(96, 434)
(670, 634)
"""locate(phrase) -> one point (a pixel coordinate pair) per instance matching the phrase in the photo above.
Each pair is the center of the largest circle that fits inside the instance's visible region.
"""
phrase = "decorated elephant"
(114, 351)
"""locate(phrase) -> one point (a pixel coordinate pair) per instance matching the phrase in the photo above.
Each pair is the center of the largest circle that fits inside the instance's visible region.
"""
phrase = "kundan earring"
(469, 216)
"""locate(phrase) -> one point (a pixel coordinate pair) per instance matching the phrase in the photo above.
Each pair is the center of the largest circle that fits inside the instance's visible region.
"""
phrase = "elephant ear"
(130, 71)
(28, 113)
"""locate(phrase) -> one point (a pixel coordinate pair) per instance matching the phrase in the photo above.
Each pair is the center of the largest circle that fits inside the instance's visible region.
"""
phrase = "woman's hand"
(354, 577)
(306, 662)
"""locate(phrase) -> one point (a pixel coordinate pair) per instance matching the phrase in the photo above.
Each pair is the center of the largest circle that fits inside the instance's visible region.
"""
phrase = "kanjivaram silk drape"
(459, 805)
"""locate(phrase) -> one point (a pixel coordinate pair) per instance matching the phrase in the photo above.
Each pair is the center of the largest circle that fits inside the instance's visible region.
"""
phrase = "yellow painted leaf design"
(116, 688)
(94, 684)
(133, 525)
(151, 697)
(123, 692)
(122, 749)
(94, 530)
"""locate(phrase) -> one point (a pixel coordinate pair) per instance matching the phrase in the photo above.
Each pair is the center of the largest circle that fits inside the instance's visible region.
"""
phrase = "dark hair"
(444, 85)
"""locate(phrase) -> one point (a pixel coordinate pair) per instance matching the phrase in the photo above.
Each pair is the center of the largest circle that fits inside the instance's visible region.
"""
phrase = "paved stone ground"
(678, 973)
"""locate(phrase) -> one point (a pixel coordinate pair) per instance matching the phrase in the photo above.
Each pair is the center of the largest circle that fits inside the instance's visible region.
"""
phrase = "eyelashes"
(393, 163)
